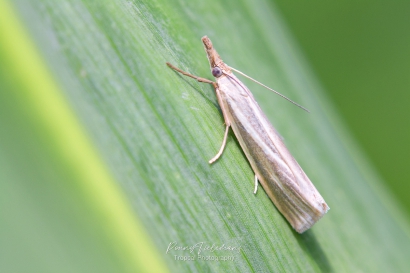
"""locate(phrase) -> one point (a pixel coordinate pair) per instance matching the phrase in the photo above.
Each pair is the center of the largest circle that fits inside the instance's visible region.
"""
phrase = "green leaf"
(117, 141)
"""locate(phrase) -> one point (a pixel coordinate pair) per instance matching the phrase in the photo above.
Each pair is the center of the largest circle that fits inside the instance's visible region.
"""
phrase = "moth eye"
(217, 72)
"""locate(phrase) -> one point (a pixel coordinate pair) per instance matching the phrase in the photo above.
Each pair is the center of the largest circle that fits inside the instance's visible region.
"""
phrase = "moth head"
(218, 67)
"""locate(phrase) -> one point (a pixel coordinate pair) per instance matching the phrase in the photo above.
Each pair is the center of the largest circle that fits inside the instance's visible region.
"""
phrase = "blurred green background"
(103, 150)
(360, 51)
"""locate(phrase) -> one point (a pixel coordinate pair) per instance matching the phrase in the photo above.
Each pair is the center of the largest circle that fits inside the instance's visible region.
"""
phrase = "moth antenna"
(274, 91)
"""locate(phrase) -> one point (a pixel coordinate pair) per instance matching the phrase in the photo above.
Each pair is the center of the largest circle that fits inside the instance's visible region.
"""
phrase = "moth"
(282, 178)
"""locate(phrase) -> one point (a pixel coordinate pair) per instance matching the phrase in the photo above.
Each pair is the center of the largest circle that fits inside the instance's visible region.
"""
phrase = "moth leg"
(215, 85)
(192, 76)
(222, 147)
(256, 184)
(227, 123)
